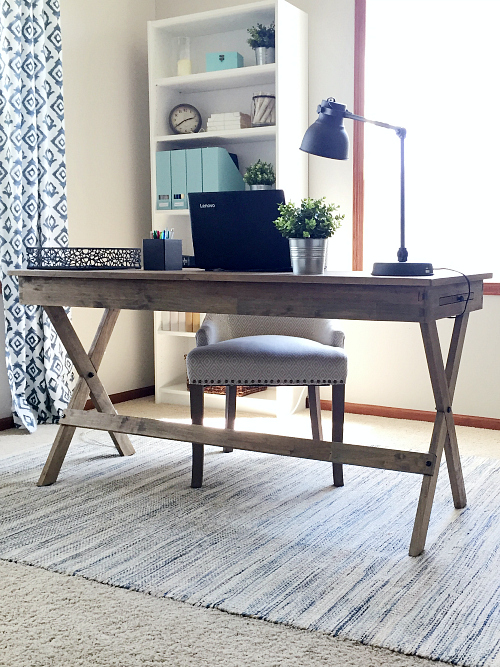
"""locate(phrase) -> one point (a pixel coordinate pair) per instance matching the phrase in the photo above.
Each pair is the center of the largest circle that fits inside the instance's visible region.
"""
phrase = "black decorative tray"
(83, 258)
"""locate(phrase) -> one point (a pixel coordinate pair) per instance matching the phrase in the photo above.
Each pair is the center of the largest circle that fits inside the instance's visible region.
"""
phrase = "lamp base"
(402, 269)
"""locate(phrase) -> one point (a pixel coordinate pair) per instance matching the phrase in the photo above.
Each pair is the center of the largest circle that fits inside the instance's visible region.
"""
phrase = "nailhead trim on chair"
(274, 353)
(267, 382)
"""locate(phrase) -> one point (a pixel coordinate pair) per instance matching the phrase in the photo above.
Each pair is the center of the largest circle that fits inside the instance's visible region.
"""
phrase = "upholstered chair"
(234, 350)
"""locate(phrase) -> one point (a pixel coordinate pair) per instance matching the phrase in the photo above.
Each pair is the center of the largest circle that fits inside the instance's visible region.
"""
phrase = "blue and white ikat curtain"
(32, 199)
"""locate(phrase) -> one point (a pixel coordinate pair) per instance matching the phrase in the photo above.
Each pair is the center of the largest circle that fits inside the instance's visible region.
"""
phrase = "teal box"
(219, 171)
(163, 181)
(178, 169)
(223, 60)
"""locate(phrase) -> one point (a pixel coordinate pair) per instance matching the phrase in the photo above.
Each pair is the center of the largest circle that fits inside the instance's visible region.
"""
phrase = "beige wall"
(107, 153)
(387, 364)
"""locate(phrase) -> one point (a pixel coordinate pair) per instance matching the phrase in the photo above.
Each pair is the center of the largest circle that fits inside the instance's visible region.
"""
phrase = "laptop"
(234, 231)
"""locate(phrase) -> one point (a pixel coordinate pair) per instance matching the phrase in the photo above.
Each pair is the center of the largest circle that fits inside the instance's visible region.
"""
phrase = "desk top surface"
(349, 295)
(441, 277)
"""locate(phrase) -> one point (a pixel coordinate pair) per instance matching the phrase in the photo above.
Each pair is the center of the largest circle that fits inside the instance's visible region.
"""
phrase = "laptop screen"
(234, 231)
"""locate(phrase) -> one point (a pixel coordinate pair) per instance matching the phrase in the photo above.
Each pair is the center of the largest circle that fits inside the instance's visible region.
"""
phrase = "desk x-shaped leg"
(86, 366)
(443, 436)
(443, 382)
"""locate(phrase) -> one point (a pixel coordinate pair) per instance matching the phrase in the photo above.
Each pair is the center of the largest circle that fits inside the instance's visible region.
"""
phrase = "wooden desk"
(332, 295)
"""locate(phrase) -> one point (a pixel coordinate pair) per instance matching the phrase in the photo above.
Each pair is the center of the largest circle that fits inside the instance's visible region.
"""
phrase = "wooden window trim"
(492, 289)
(358, 135)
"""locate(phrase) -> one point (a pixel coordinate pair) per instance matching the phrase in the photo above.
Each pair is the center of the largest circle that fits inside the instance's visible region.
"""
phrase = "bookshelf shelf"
(254, 75)
(221, 138)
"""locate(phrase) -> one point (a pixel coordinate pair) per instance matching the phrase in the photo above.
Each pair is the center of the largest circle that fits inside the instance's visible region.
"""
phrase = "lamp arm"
(401, 132)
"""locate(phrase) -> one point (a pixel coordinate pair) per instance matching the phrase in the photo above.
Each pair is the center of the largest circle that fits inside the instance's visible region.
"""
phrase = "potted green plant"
(262, 41)
(260, 176)
(307, 228)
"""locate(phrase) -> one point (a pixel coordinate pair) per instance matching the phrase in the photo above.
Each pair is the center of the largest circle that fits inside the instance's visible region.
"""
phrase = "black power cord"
(442, 268)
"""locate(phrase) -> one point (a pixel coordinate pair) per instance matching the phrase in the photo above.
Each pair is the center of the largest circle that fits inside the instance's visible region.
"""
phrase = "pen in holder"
(162, 254)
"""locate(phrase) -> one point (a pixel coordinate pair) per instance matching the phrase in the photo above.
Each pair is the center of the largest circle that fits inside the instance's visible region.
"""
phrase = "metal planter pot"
(264, 55)
(259, 186)
(308, 256)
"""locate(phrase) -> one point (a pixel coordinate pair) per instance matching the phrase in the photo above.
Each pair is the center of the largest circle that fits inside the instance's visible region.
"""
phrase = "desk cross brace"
(443, 382)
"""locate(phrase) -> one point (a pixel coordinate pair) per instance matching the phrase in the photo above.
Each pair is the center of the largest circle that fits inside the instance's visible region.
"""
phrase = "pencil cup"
(162, 254)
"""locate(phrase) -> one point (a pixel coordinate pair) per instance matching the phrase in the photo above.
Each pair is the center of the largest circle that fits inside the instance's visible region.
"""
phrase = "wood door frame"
(358, 134)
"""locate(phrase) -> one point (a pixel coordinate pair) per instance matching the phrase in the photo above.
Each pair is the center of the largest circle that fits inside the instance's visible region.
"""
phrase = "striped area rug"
(270, 537)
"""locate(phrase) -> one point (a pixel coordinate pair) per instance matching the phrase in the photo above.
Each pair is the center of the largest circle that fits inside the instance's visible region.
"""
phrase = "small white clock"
(184, 119)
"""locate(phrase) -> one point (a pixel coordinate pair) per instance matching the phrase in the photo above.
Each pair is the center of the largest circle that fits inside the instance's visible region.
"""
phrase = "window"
(431, 66)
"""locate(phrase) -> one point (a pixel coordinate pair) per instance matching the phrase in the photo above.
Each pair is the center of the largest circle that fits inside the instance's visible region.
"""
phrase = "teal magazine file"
(194, 170)
(220, 173)
(178, 167)
(163, 181)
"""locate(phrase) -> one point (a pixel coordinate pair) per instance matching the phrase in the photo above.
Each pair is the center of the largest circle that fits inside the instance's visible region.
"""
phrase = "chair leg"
(196, 400)
(338, 400)
(315, 412)
(230, 415)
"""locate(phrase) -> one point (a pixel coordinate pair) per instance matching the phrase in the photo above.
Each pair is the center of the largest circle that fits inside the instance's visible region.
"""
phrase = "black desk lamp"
(327, 137)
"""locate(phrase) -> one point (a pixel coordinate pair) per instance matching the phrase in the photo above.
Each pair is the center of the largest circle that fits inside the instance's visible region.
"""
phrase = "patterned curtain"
(32, 199)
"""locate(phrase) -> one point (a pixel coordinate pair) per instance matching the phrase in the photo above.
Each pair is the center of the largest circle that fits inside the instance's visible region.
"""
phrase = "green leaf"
(313, 219)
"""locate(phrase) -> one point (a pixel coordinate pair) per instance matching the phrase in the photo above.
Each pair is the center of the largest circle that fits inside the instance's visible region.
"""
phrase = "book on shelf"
(230, 115)
(218, 127)
(181, 321)
(229, 121)
(174, 321)
(165, 320)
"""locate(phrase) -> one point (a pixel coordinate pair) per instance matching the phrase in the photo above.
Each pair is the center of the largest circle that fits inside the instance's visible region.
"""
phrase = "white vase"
(308, 256)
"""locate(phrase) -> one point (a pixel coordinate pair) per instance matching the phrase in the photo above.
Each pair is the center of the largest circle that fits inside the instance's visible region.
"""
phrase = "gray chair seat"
(267, 360)
(235, 350)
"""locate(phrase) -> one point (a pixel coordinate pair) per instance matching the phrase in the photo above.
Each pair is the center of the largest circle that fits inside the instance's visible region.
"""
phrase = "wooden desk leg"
(79, 397)
(443, 385)
(89, 382)
(451, 444)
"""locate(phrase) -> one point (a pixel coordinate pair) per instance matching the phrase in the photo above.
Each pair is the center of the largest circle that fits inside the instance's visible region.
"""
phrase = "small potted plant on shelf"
(262, 41)
(260, 176)
(308, 228)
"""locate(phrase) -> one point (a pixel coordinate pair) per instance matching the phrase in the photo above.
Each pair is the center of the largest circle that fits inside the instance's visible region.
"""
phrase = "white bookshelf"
(217, 92)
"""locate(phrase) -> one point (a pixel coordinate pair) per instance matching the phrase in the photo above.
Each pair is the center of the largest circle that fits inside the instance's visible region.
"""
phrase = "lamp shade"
(327, 137)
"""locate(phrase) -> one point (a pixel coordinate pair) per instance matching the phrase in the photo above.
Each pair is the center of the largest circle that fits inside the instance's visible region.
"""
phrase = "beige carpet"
(49, 619)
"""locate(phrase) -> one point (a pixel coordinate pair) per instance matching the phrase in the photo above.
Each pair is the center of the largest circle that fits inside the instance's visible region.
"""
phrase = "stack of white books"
(232, 120)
